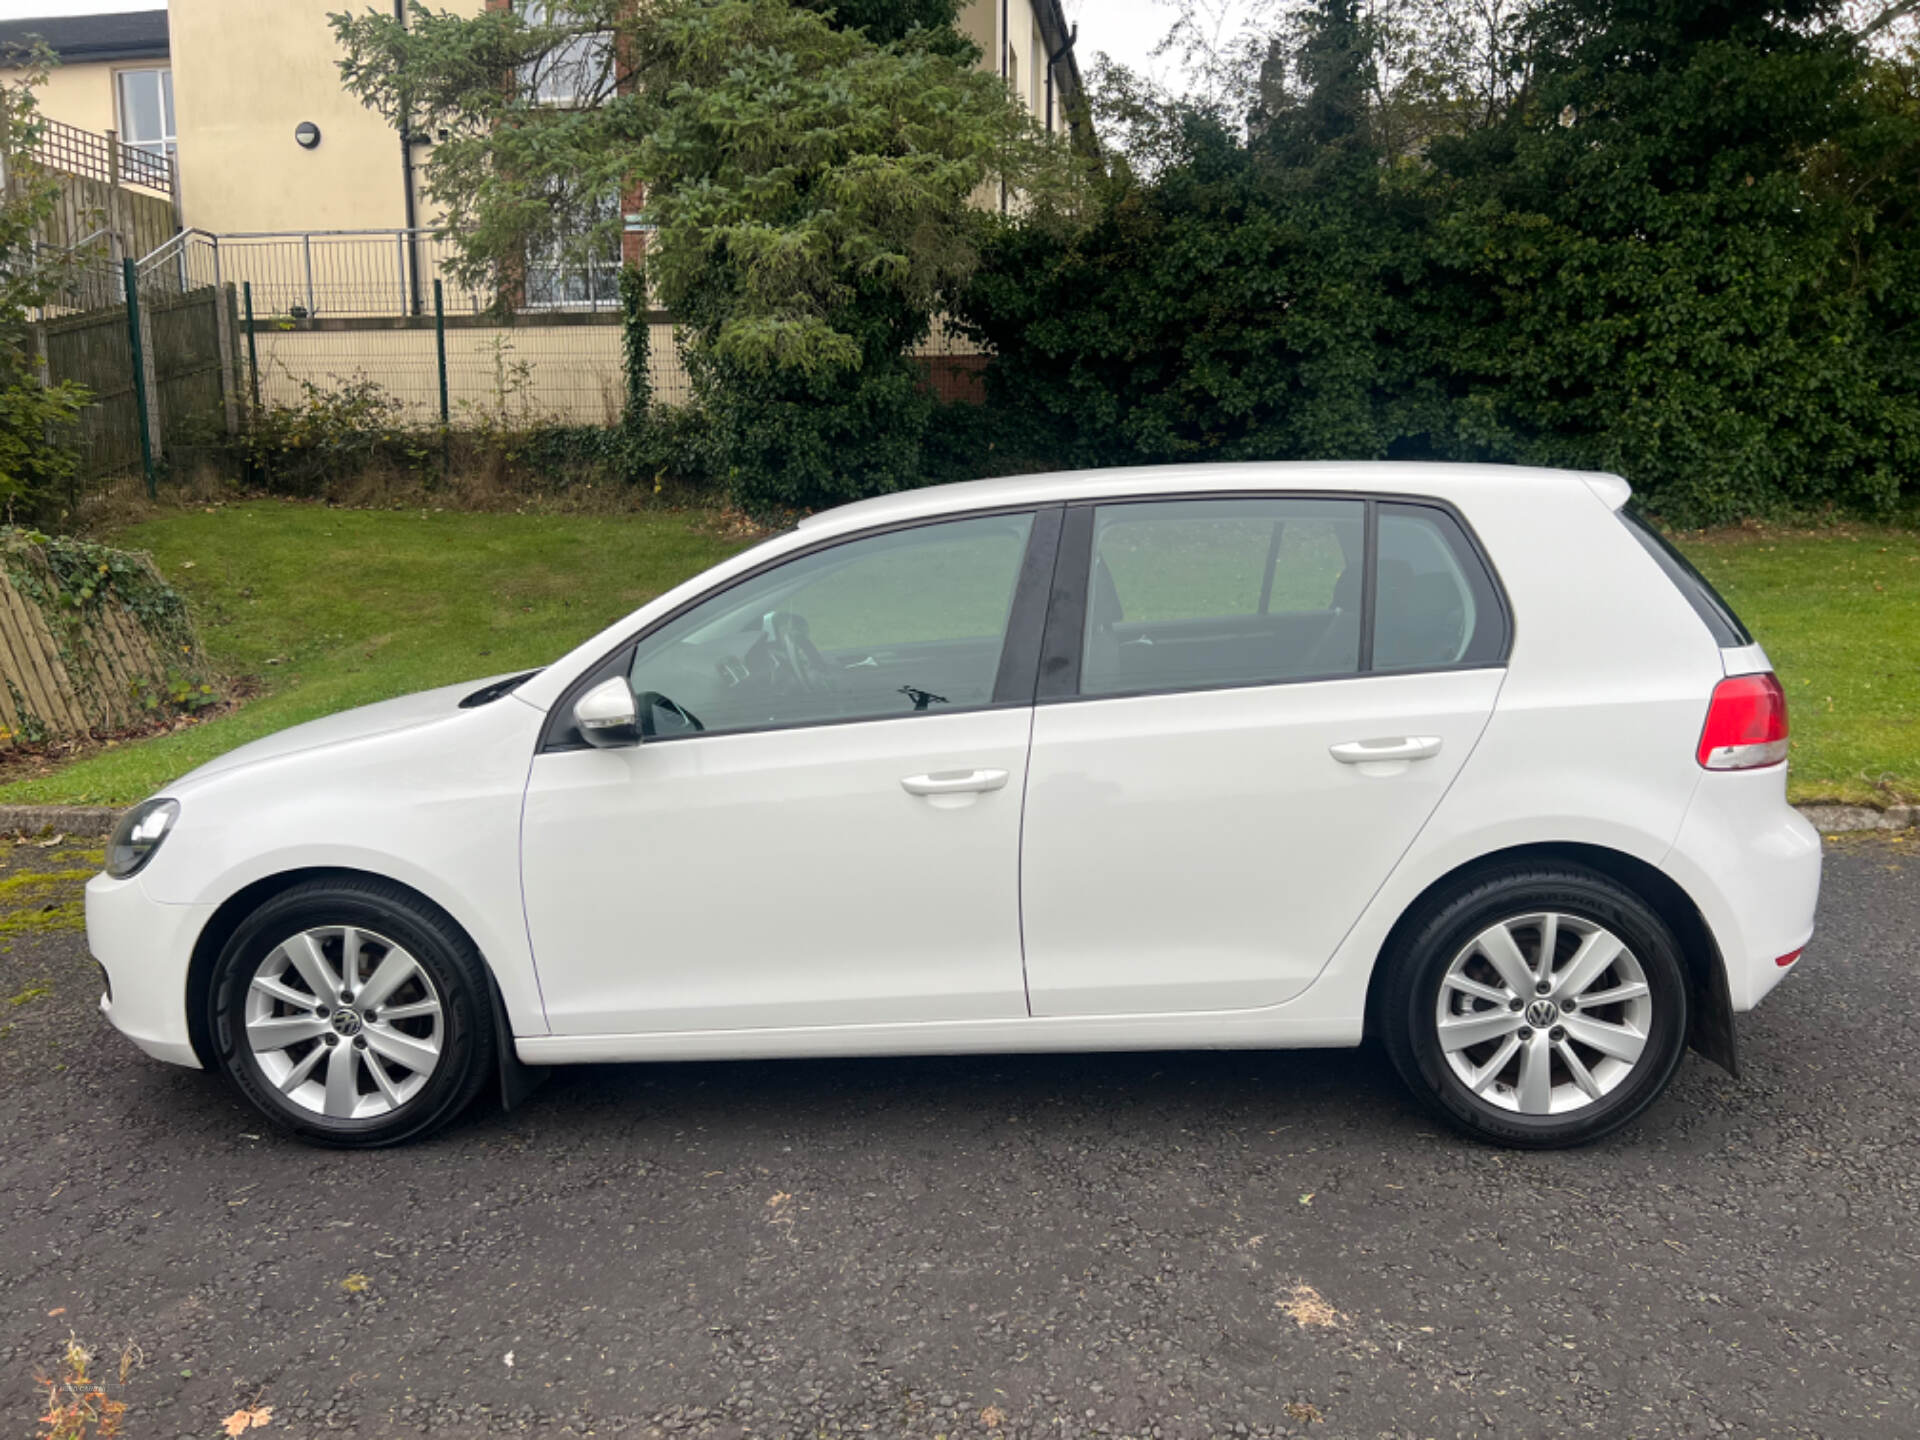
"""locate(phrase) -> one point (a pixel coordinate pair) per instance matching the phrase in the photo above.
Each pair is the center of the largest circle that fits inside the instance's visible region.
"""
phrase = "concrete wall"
(525, 374)
(245, 74)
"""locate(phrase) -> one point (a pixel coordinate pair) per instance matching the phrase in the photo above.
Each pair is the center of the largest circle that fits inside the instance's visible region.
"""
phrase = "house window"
(146, 110)
(578, 270)
(578, 71)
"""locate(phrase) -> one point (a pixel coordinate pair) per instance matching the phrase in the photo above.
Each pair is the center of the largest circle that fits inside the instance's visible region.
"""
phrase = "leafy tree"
(36, 454)
(1245, 298)
(810, 170)
(1642, 275)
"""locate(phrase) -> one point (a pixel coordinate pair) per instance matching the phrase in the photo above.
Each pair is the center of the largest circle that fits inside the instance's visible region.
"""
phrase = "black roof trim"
(132, 35)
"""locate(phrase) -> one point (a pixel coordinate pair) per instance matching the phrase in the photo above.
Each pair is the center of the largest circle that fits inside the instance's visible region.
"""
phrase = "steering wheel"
(793, 661)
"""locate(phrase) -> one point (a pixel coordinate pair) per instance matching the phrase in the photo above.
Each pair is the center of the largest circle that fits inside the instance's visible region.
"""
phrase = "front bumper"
(1751, 862)
(146, 948)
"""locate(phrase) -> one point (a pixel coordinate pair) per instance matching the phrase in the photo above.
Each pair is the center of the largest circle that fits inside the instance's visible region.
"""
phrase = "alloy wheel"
(1544, 1013)
(344, 1023)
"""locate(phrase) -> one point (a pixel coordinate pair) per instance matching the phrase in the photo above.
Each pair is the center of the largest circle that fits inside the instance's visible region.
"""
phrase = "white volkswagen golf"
(1461, 757)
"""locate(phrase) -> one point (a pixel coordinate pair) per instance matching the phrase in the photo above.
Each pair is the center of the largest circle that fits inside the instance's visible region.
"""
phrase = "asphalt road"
(1165, 1245)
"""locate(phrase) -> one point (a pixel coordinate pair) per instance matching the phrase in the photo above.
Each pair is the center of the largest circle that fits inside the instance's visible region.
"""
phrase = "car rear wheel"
(1537, 1008)
(352, 1013)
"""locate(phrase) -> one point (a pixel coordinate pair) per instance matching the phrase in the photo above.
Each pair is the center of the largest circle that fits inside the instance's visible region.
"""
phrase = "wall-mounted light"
(306, 134)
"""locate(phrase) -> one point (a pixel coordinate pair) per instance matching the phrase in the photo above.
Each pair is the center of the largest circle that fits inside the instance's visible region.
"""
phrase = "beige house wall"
(1023, 50)
(82, 95)
(245, 74)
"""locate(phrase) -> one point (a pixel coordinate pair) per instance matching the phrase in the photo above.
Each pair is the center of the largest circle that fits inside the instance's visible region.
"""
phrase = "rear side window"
(1705, 600)
(1434, 604)
(1194, 594)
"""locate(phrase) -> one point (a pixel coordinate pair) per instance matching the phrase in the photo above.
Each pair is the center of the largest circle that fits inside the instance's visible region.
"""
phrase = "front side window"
(146, 110)
(906, 623)
(1192, 594)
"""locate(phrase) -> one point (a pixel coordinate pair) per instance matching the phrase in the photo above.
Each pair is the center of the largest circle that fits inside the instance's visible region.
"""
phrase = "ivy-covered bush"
(1684, 249)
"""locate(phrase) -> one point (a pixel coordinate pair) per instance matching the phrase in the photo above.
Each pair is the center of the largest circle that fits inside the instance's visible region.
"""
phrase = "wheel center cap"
(1542, 1013)
(348, 1023)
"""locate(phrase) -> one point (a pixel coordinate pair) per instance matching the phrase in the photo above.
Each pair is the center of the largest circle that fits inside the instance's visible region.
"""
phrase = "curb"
(78, 820)
(98, 820)
(1838, 819)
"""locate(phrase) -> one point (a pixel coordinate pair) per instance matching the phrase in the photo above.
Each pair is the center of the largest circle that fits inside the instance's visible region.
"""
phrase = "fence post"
(306, 249)
(223, 328)
(130, 273)
(400, 261)
(253, 350)
(440, 349)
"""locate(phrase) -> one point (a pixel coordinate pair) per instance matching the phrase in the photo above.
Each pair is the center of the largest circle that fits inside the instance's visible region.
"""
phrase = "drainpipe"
(1073, 36)
(406, 179)
(1006, 40)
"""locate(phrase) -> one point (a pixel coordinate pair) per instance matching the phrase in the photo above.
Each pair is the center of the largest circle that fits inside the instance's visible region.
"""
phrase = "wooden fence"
(190, 365)
(91, 663)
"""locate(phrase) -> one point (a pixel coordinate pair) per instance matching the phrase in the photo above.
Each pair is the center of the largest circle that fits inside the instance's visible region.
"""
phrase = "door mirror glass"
(607, 716)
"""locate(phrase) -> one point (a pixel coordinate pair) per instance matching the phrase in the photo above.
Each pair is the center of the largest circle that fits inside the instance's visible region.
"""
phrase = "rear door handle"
(954, 782)
(1405, 747)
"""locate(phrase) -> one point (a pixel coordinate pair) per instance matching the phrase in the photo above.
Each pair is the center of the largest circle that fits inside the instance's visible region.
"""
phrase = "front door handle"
(1405, 747)
(954, 782)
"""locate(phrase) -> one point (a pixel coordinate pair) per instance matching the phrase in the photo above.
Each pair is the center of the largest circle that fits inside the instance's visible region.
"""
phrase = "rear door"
(1248, 708)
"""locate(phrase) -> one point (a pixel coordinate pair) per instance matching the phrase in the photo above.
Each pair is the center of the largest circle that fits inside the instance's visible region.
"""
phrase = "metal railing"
(321, 275)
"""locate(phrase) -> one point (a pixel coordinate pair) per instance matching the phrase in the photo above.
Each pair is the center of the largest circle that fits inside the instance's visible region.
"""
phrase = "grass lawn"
(327, 609)
(1838, 611)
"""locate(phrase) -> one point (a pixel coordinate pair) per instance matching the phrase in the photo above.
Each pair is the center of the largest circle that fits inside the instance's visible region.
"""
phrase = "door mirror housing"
(607, 716)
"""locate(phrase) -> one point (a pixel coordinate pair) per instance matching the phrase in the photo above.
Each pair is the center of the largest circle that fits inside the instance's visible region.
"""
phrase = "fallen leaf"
(993, 1417)
(1307, 1199)
(1307, 1309)
(61, 1310)
(241, 1421)
(355, 1283)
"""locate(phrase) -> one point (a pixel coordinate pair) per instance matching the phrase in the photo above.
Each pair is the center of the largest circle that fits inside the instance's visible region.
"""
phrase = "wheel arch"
(1711, 1030)
(515, 1080)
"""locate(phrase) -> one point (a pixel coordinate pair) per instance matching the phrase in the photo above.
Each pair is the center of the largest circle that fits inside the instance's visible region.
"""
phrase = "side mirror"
(606, 715)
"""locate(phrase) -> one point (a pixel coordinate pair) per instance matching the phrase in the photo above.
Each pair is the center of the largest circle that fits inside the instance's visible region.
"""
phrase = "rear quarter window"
(1713, 611)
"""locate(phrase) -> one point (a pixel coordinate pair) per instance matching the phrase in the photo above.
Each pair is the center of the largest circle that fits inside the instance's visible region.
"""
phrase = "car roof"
(1440, 480)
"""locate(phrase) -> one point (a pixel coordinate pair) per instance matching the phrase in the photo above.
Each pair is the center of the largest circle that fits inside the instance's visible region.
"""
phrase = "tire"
(1455, 970)
(309, 1042)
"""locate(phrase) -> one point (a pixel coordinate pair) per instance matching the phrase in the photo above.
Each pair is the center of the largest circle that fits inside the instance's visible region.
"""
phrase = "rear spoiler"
(1612, 490)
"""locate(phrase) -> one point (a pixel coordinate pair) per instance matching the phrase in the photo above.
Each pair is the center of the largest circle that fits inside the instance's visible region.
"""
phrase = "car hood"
(388, 717)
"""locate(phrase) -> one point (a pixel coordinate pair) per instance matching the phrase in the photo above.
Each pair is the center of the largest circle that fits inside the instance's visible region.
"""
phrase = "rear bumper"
(146, 948)
(1751, 863)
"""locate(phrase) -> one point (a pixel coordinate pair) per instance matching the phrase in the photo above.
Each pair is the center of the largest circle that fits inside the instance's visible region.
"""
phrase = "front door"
(1263, 702)
(823, 825)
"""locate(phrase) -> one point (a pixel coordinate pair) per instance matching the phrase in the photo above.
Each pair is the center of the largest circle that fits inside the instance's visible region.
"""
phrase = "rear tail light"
(1746, 724)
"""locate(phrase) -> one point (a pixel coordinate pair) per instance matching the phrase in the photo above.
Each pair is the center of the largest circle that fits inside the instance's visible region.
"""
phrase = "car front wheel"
(352, 1013)
(1541, 1007)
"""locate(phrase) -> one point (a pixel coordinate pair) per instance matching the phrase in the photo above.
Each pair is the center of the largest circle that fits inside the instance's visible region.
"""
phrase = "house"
(245, 94)
(113, 73)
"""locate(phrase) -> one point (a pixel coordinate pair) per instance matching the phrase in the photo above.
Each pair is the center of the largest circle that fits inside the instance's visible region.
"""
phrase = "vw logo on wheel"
(346, 1022)
(1542, 1013)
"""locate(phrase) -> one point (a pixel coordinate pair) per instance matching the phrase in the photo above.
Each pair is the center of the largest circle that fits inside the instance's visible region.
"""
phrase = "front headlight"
(138, 835)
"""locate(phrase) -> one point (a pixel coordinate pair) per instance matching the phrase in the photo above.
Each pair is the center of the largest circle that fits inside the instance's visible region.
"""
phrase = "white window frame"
(574, 73)
(599, 275)
(168, 143)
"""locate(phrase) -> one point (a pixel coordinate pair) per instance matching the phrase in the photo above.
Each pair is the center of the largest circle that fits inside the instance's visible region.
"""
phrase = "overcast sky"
(1126, 29)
